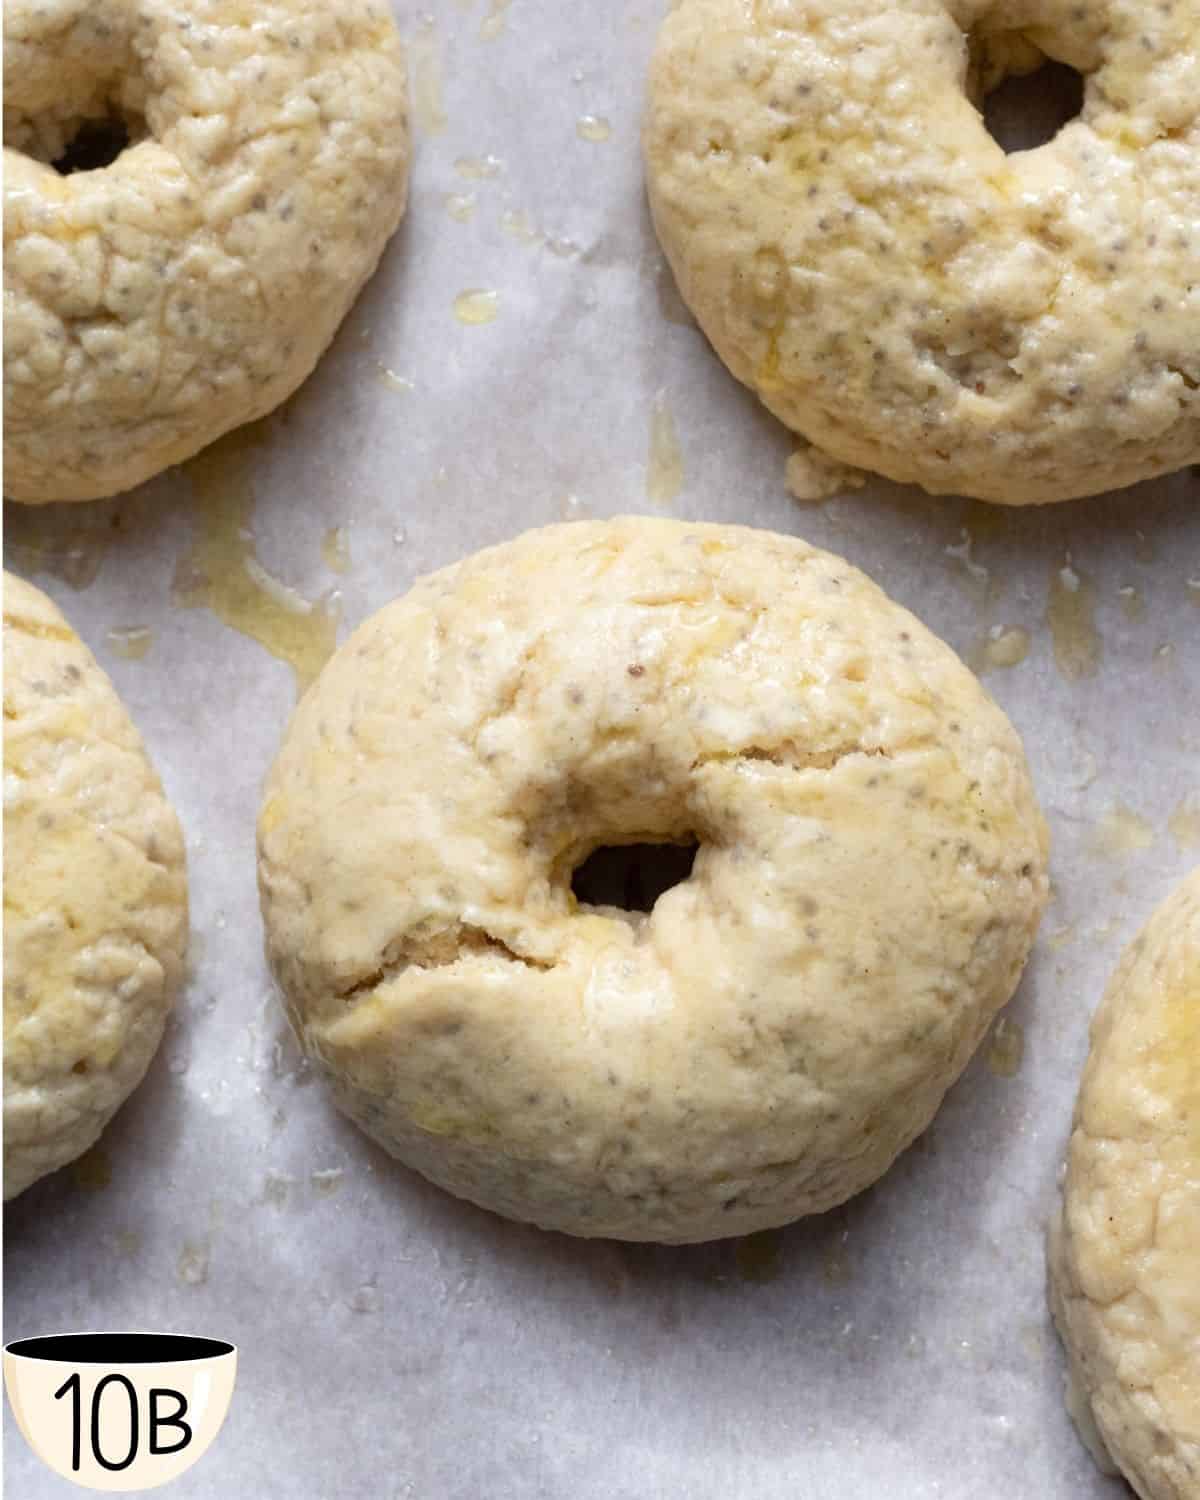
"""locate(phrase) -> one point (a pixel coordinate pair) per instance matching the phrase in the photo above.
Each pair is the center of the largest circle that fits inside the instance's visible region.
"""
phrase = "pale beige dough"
(95, 895)
(864, 255)
(870, 874)
(1125, 1249)
(191, 285)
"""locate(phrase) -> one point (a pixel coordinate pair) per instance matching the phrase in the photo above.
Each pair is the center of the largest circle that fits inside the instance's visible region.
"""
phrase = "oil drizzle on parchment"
(1184, 822)
(476, 306)
(130, 641)
(335, 549)
(671, 305)
(222, 573)
(277, 1189)
(478, 167)
(494, 22)
(1004, 646)
(972, 574)
(193, 1264)
(517, 224)
(594, 128)
(1121, 832)
(1133, 604)
(427, 80)
(394, 382)
(1070, 614)
(326, 1181)
(1006, 1048)
(72, 549)
(1009, 648)
(664, 467)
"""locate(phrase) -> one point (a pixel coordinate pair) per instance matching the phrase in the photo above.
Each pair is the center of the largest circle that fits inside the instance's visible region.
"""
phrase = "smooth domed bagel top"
(864, 255)
(1125, 1250)
(189, 286)
(95, 895)
(870, 873)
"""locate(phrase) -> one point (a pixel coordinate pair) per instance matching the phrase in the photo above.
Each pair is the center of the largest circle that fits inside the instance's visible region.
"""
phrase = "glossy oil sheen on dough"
(1125, 1253)
(862, 253)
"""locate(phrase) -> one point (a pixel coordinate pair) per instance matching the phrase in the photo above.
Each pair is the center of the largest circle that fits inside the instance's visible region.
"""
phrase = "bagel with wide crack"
(871, 868)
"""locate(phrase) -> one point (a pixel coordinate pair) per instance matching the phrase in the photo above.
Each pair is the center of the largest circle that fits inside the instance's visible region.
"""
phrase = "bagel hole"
(1028, 110)
(632, 876)
(96, 144)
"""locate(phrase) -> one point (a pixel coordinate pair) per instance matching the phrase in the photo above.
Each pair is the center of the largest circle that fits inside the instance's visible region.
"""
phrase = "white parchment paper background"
(397, 1343)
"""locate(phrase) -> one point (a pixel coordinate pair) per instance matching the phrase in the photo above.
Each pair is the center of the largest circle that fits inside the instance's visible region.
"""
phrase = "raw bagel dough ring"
(95, 895)
(1125, 1249)
(864, 255)
(191, 285)
(786, 1020)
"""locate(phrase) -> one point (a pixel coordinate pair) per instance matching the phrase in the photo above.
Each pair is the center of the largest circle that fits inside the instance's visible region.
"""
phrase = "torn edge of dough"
(813, 476)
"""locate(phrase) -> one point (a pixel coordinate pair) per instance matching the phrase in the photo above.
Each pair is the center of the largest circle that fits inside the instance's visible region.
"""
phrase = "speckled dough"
(1125, 1250)
(95, 895)
(870, 874)
(864, 255)
(190, 286)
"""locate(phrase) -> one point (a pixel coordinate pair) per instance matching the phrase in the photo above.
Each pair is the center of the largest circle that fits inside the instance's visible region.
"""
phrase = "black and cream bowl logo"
(119, 1411)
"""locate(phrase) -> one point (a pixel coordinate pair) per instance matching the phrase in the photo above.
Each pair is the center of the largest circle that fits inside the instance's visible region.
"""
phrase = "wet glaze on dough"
(1125, 1250)
(865, 256)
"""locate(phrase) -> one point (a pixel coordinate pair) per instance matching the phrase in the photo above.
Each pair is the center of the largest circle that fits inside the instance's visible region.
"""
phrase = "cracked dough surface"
(870, 875)
(191, 285)
(1125, 1250)
(95, 895)
(862, 253)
